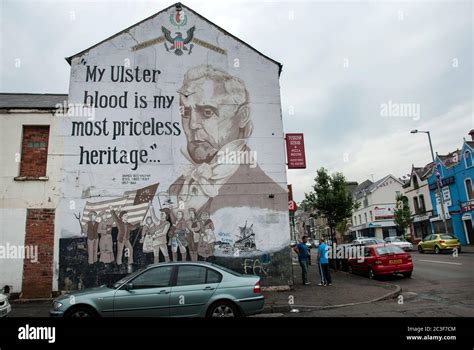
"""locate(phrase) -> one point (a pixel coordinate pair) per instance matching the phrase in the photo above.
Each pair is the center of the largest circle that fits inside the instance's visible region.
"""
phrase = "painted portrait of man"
(223, 171)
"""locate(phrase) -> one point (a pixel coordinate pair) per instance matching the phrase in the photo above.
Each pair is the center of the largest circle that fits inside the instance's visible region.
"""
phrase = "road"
(441, 285)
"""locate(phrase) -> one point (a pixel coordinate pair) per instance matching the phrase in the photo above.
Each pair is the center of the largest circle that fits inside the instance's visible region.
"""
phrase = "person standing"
(161, 228)
(193, 227)
(303, 257)
(323, 261)
(105, 240)
(90, 228)
(123, 238)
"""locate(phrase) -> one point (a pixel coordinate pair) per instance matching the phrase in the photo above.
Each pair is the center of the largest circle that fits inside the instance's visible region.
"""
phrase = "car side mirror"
(128, 286)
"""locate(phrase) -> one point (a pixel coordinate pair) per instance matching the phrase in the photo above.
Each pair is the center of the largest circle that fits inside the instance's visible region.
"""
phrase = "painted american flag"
(136, 203)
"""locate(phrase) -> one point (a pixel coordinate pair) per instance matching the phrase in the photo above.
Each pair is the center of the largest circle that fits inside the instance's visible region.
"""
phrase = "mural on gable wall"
(180, 160)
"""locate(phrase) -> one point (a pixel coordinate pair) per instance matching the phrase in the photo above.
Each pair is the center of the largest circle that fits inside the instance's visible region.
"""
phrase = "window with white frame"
(469, 190)
(468, 159)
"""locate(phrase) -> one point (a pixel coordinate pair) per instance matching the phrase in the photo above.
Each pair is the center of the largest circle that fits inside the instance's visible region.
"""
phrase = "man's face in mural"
(192, 214)
(179, 215)
(204, 216)
(163, 216)
(125, 218)
(93, 217)
(209, 116)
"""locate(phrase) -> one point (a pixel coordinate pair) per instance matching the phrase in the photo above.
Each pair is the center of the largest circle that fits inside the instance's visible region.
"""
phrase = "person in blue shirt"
(303, 257)
(323, 262)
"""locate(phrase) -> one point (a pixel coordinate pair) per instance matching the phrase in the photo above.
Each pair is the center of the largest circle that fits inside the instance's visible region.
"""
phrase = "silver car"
(180, 289)
(5, 306)
(400, 242)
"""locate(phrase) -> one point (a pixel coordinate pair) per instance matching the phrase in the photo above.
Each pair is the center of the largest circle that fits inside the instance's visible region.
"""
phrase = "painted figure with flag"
(128, 213)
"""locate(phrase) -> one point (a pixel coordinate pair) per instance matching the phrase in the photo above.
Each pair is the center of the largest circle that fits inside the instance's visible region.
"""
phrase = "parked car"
(367, 241)
(438, 243)
(400, 241)
(5, 306)
(179, 289)
(382, 259)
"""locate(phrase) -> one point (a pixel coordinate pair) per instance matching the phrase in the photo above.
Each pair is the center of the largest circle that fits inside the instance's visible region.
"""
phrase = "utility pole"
(438, 187)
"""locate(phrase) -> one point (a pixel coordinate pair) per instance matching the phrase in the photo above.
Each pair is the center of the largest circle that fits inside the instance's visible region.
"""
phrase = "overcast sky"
(343, 64)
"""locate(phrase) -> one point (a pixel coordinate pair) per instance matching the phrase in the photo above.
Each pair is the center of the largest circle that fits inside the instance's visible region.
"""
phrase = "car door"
(430, 242)
(424, 242)
(192, 289)
(364, 266)
(148, 295)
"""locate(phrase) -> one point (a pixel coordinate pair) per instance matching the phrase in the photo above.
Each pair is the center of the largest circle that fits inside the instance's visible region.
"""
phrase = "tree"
(402, 215)
(331, 198)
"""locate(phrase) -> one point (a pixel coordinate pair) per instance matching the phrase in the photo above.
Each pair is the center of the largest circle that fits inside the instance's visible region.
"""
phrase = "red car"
(382, 259)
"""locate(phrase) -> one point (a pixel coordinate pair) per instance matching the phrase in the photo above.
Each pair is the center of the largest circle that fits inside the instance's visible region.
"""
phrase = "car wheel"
(407, 274)
(81, 312)
(223, 309)
(371, 273)
(420, 249)
(349, 268)
(436, 250)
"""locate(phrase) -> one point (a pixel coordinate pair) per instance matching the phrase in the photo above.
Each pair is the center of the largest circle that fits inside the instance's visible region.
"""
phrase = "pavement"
(441, 285)
(346, 290)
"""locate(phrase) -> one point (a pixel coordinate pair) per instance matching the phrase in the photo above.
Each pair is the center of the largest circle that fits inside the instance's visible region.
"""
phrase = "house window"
(467, 159)
(366, 202)
(415, 181)
(360, 219)
(371, 217)
(469, 191)
(422, 203)
(365, 215)
(416, 205)
(34, 151)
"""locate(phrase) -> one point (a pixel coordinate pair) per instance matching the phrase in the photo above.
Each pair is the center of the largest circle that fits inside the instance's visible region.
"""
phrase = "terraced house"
(455, 173)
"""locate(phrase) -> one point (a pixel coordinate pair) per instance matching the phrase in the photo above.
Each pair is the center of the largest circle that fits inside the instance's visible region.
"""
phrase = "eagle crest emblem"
(178, 43)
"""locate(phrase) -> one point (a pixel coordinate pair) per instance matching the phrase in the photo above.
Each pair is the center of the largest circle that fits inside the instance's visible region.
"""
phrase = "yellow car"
(438, 243)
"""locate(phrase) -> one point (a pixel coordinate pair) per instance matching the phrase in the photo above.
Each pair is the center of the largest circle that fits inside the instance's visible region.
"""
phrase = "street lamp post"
(438, 187)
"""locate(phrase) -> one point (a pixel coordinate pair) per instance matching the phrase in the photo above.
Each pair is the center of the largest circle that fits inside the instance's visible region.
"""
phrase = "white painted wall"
(261, 79)
(382, 196)
(17, 196)
(12, 233)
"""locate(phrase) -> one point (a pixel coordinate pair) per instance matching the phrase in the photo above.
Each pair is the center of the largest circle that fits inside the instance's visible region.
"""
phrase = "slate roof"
(31, 101)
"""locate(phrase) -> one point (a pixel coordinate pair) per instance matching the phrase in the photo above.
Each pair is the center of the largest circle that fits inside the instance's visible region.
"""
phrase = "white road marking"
(440, 262)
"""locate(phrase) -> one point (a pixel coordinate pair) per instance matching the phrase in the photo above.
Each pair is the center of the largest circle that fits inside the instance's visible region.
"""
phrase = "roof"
(280, 66)
(31, 101)
(423, 172)
(449, 159)
(368, 186)
(470, 144)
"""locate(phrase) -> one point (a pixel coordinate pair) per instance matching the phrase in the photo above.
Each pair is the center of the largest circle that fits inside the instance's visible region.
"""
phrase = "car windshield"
(398, 239)
(126, 278)
(388, 250)
(447, 237)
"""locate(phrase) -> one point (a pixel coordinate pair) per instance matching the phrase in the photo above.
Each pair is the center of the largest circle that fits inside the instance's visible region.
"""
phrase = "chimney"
(472, 134)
